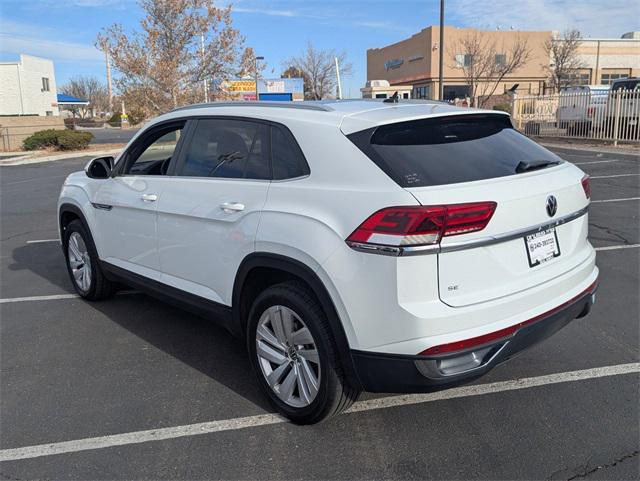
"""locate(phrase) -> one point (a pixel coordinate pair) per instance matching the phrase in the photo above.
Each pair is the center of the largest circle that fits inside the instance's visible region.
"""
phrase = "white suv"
(355, 245)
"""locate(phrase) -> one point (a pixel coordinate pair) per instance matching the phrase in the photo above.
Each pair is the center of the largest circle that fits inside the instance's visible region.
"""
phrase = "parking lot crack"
(587, 472)
(612, 232)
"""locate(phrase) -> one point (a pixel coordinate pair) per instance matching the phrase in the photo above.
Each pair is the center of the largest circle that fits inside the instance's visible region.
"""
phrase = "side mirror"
(100, 167)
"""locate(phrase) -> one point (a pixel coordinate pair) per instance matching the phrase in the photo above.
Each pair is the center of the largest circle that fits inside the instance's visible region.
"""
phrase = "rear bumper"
(403, 374)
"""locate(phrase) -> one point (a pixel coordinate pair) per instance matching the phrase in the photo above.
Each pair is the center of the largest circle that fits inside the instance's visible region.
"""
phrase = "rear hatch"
(537, 231)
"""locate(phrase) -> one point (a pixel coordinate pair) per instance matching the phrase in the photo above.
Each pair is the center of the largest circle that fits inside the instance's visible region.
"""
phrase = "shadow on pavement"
(200, 343)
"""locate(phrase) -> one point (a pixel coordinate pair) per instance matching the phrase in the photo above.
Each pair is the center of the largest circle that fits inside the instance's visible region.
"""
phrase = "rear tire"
(294, 355)
(83, 264)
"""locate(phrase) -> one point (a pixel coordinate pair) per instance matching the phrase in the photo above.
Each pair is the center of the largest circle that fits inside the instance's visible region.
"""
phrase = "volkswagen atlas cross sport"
(354, 245)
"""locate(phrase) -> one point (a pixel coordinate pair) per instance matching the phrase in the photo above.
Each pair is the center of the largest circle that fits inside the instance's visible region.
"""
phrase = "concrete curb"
(30, 159)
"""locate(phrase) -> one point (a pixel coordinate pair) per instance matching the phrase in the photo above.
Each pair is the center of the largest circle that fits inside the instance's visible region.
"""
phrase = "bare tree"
(90, 89)
(485, 64)
(248, 64)
(163, 65)
(318, 69)
(562, 51)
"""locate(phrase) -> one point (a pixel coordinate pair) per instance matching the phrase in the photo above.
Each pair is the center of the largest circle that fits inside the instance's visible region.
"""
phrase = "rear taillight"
(586, 187)
(421, 225)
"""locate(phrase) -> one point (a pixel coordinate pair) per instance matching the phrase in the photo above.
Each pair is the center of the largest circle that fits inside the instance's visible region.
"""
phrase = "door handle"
(232, 206)
(149, 197)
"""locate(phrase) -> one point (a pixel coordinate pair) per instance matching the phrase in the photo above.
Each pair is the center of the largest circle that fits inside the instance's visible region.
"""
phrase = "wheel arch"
(67, 213)
(289, 269)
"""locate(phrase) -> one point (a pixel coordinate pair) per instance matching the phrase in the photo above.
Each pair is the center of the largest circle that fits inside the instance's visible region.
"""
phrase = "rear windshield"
(449, 150)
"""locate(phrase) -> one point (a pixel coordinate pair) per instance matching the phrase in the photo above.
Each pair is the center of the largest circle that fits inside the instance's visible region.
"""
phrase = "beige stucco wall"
(425, 70)
(621, 55)
(13, 130)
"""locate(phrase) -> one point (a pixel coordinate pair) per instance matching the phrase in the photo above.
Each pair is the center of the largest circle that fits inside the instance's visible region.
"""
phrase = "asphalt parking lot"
(133, 388)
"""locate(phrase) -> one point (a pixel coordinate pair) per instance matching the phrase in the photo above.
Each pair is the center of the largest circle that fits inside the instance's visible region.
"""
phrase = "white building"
(28, 87)
(381, 89)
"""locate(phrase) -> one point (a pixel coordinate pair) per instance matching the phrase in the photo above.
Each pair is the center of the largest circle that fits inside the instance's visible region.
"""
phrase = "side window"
(287, 158)
(153, 155)
(235, 149)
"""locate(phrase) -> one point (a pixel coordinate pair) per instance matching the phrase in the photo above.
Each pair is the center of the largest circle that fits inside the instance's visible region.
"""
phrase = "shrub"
(115, 120)
(59, 139)
(73, 139)
(41, 140)
(503, 107)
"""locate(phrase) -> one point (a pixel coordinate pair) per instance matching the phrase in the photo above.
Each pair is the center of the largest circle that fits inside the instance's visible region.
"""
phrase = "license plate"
(542, 246)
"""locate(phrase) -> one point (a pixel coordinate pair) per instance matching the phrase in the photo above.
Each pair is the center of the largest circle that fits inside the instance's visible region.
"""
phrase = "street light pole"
(204, 81)
(256, 72)
(441, 60)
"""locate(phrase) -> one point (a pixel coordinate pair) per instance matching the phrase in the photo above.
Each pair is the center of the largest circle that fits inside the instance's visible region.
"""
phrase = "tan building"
(414, 61)
(607, 59)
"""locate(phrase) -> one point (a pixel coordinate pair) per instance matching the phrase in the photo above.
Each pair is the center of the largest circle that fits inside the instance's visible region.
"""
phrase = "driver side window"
(153, 156)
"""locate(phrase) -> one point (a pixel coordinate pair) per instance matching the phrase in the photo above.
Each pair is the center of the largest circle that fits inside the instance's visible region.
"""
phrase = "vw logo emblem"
(552, 205)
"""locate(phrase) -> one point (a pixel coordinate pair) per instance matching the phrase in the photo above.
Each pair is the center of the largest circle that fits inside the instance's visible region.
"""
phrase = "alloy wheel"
(288, 356)
(79, 261)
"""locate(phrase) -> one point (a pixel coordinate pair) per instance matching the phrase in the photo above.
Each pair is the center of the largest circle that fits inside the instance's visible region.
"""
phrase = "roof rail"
(262, 103)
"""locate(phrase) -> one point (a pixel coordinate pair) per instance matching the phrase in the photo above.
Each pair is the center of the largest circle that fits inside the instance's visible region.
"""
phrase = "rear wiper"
(529, 165)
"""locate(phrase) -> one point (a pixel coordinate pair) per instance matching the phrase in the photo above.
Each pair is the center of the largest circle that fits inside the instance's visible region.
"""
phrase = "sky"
(65, 30)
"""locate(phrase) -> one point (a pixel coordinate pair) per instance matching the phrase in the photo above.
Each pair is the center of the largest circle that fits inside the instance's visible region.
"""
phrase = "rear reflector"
(586, 186)
(502, 333)
(422, 225)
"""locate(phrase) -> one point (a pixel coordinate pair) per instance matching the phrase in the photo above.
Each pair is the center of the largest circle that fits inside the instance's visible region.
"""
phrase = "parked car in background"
(582, 108)
(623, 102)
(353, 245)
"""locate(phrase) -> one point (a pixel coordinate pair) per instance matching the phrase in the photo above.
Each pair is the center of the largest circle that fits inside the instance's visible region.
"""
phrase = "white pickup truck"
(582, 108)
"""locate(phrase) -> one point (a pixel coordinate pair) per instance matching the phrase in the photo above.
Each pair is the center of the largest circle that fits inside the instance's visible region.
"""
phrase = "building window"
(405, 95)
(608, 78)
(579, 77)
(381, 96)
(45, 84)
(452, 92)
(49, 113)
(501, 59)
(421, 92)
(464, 60)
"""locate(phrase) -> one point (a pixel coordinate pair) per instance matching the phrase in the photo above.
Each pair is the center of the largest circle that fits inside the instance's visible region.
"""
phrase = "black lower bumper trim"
(399, 374)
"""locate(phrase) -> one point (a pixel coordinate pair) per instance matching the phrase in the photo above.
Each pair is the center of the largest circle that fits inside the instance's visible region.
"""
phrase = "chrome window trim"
(463, 245)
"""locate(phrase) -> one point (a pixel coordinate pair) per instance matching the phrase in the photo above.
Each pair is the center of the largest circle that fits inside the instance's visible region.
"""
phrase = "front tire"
(82, 263)
(294, 355)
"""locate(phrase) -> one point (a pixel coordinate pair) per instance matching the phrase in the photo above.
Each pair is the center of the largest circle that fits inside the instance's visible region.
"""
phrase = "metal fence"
(596, 115)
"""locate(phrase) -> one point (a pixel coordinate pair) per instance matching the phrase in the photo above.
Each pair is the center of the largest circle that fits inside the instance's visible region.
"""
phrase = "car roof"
(349, 115)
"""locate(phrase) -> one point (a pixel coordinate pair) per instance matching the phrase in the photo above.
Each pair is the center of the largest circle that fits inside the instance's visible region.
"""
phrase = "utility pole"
(204, 81)
(256, 72)
(338, 78)
(109, 86)
(441, 60)
(595, 79)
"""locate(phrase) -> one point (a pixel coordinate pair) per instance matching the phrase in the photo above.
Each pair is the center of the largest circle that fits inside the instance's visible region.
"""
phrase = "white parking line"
(41, 241)
(602, 161)
(614, 200)
(54, 297)
(612, 176)
(39, 298)
(613, 248)
(137, 437)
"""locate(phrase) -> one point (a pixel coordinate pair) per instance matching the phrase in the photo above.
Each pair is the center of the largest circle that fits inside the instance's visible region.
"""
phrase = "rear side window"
(287, 158)
(449, 150)
(228, 148)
